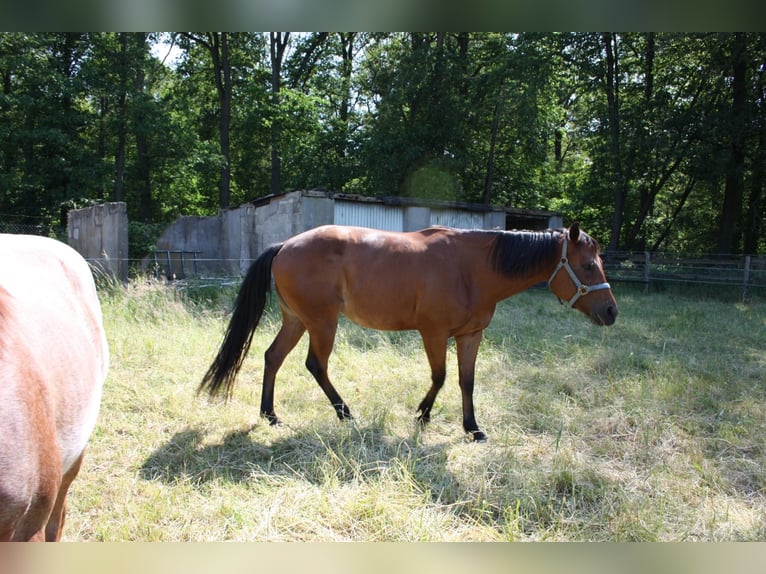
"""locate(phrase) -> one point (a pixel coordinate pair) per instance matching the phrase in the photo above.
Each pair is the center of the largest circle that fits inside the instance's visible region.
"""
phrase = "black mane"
(520, 252)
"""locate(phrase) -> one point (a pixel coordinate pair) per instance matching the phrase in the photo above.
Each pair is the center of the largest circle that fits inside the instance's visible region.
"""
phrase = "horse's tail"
(248, 308)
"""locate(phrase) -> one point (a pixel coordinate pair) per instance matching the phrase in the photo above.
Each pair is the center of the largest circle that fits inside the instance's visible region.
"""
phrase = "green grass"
(652, 429)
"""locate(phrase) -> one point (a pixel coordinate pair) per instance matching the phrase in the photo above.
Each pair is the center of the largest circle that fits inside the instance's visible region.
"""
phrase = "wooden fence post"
(647, 262)
(746, 278)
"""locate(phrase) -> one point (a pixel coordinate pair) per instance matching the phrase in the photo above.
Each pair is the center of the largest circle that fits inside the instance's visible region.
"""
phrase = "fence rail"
(742, 271)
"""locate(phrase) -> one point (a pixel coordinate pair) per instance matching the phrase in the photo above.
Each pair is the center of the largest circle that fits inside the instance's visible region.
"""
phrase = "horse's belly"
(382, 314)
(379, 323)
(74, 436)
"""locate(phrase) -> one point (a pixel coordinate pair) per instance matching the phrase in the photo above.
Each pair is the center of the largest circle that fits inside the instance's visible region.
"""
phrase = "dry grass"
(650, 430)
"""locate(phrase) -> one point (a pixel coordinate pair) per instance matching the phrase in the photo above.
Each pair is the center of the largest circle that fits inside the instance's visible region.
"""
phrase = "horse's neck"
(507, 282)
(508, 286)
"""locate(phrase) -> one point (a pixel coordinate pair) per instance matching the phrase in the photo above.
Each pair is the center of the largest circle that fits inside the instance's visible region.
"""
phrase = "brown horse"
(441, 282)
(53, 362)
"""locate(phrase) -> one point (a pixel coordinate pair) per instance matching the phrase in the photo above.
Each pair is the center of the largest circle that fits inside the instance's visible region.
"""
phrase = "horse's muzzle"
(604, 316)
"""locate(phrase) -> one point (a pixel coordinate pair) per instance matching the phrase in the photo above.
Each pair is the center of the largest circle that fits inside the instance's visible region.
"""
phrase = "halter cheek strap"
(582, 289)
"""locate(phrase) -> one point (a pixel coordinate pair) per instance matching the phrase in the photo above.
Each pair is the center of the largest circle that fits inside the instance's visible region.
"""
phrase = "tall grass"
(652, 429)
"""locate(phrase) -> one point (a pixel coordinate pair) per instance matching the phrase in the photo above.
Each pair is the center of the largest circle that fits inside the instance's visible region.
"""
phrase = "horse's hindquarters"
(53, 362)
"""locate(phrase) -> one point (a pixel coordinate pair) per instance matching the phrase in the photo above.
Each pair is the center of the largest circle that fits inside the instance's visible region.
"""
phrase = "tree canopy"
(654, 141)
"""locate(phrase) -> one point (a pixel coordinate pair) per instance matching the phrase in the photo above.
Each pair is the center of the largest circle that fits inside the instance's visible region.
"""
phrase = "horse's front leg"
(467, 349)
(436, 351)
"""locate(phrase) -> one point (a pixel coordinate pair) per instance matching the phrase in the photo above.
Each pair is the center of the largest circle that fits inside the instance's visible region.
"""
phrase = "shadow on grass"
(513, 495)
(186, 457)
(343, 454)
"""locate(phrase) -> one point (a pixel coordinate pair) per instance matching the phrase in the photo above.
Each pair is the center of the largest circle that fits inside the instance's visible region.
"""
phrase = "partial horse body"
(442, 282)
(53, 362)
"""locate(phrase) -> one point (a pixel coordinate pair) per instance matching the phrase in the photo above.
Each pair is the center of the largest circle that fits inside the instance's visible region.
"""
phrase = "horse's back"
(379, 279)
(53, 362)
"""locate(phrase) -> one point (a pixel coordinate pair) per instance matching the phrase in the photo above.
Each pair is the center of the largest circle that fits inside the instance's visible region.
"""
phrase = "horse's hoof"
(273, 419)
(345, 416)
(425, 415)
(477, 436)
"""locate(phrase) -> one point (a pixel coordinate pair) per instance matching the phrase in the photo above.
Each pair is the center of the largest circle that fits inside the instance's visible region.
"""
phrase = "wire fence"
(44, 229)
(743, 274)
(739, 275)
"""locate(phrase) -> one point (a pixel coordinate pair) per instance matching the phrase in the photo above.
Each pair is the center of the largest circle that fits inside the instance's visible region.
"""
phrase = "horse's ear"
(574, 232)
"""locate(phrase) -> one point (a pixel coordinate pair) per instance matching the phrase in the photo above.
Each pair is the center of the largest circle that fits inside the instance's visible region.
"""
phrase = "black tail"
(248, 309)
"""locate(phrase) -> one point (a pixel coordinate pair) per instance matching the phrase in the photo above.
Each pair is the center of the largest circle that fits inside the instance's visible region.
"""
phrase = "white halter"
(581, 288)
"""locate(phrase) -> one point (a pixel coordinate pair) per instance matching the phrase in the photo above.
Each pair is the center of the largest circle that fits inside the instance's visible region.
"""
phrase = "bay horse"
(53, 362)
(442, 282)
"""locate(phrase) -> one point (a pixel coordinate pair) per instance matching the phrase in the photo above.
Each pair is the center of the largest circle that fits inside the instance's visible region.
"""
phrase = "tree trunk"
(490, 175)
(646, 194)
(341, 139)
(612, 98)
(143, 164)
(755, 205)
(278, 46)
(755, 212)
(122, 122)
(219, 44)
(684, 196)
(729, 230)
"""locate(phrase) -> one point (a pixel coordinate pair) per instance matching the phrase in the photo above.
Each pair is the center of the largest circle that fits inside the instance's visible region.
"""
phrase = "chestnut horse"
(53, 362)
(439, 281)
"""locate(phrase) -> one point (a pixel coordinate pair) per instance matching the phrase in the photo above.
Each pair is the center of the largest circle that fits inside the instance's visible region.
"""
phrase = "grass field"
(653, 429)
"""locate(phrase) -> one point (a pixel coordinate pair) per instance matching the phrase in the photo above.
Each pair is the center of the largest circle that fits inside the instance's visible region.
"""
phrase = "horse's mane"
(520, 252)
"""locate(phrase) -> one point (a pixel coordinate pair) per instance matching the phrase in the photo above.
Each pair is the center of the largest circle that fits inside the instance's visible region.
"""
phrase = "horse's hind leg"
(289, 334)
(58, 514)
(321, 341)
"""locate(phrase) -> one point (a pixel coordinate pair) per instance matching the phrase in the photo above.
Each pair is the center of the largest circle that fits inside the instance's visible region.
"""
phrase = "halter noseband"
(581, 288)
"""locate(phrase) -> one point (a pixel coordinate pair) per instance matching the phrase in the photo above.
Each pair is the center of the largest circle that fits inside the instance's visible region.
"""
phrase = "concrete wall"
(237, 239)
(226, 244)
(100, 235)
(229, 242)
(198, 237)
(288, 215)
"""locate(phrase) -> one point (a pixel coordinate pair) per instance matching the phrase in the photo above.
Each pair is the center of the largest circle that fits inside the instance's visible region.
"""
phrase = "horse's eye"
(588, 266)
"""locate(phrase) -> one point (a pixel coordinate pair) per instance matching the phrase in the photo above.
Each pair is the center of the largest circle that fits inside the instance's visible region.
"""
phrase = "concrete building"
(100, 235)
(228, 242)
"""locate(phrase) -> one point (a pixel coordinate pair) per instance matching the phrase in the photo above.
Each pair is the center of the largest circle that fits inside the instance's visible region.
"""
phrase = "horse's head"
(578, 278)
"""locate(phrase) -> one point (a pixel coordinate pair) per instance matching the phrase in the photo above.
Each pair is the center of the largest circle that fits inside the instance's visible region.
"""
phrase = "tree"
(755, 214)
(278, 43)
(217, 45)
(47, 159)
(414, 142)
(730, 229)
(652, 140)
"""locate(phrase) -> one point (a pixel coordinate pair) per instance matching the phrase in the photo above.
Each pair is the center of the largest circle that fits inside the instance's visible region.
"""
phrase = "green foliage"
(142, 238)
(641, 136)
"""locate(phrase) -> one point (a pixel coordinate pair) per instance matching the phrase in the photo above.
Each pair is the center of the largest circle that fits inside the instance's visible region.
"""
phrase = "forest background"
(654, 141)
